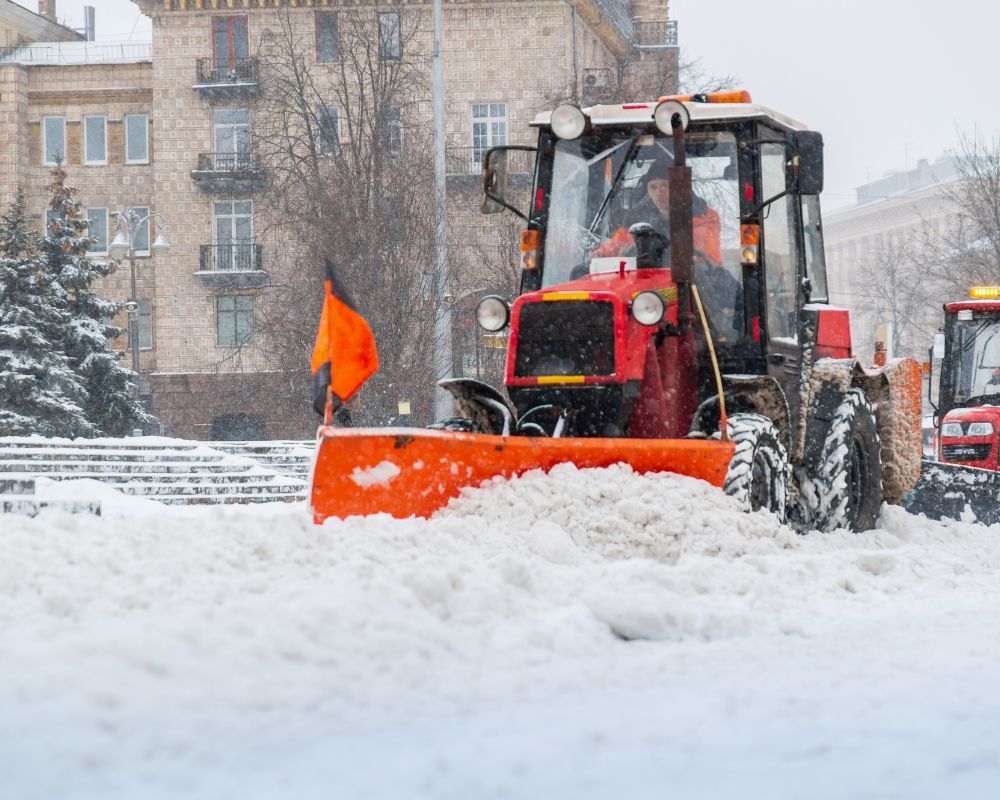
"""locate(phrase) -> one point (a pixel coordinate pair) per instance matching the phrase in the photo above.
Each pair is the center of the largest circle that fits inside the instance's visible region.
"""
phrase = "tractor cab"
(641, 201)
(969, 401)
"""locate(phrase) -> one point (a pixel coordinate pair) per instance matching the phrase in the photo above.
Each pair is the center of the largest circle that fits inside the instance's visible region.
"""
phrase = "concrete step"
(87, 454)
(90, 444)
(230, 499)
(113, 467)
(157, 490)
(30, 506)
(212, 479)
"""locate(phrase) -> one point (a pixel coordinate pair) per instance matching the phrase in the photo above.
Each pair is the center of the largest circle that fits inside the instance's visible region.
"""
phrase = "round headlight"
(665, 113)
(568, 121)
(648, 308)
(492, 313)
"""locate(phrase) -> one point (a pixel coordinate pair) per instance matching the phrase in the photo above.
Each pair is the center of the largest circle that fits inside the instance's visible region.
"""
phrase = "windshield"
(604, 183)
(975, 358)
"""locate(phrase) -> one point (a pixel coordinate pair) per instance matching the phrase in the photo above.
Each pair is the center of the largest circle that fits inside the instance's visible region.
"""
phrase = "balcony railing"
(469, 161)
(229, 173)
(233, 77)
(232, 256)
(652, 35)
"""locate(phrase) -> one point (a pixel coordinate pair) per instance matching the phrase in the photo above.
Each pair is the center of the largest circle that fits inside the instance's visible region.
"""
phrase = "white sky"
(886, 81)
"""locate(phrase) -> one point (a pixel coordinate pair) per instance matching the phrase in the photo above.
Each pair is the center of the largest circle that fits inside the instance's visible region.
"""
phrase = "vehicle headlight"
(951, 429)
(980, 429)
(568, 121)
(648, 308)
(492, 313)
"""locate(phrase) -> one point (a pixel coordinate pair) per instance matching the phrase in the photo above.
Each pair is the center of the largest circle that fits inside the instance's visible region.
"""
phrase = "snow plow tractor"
(963, 474)
(672, 315)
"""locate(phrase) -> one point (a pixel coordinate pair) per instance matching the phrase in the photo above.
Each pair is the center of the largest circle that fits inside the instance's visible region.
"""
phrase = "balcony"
(227, 79)
(234, 264)
(228, 173)
(658, 35)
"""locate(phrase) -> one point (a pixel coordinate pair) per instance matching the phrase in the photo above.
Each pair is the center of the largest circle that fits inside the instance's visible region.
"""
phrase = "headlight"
(492, 313)
(951, 429)
(980, 429)
(667, 112)
(648, 308)
(568, 121)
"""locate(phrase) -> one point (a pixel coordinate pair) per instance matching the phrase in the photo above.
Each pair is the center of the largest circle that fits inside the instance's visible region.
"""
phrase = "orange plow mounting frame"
(414, 472)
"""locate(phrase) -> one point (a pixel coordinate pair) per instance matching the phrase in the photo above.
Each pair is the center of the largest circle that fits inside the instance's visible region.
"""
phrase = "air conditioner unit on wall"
(595, 78)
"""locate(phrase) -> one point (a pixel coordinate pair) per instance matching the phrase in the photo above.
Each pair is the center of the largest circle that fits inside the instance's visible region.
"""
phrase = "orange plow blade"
(414, 472)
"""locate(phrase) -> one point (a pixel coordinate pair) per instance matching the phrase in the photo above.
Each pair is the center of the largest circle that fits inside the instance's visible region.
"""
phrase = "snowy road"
(589, 634)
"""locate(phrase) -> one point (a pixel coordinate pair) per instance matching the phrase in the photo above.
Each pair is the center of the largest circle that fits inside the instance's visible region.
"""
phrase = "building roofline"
(35, 26)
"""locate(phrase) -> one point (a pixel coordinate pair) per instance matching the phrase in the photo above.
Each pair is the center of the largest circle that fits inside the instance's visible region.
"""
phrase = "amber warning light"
(985, 292)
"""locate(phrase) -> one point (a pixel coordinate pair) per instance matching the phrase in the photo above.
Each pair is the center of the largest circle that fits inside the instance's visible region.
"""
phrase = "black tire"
(846, 491)
(758, 474)
(455, 424)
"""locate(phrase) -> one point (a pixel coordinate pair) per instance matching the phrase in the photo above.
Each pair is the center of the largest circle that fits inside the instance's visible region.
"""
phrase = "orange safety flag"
(344, 355)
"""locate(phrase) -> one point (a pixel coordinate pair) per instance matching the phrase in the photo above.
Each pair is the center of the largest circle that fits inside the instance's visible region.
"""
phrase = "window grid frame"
(45, 141)
(107, 227)
(247, 312)
(125, 137)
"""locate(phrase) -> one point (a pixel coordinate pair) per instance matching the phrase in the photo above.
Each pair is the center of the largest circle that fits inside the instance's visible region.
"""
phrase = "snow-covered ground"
(586, 634)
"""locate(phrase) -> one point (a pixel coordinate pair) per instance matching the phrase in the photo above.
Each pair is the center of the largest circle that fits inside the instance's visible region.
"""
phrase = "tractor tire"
(758, 474)
(460, 424)
(846, 491)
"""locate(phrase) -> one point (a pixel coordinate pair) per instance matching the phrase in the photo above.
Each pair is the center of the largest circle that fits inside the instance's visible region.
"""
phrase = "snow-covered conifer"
(111, 405)
(39, 391)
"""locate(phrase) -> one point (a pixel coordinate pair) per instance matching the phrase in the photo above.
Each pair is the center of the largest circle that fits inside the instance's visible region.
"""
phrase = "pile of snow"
(211, 652)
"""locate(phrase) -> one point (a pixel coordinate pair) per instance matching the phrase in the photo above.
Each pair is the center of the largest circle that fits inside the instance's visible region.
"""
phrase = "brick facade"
(520, 56)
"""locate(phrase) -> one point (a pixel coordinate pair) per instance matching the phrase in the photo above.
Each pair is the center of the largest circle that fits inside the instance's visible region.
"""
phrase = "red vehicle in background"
(964, 476)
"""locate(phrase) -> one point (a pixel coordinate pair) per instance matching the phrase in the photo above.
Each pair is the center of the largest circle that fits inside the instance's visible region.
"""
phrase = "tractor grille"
(566, 337)
(966, 452)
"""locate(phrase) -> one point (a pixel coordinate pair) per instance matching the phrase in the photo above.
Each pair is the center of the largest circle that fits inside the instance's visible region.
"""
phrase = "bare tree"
(350, 173)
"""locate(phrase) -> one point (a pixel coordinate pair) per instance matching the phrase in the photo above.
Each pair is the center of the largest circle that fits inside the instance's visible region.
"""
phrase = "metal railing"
(66, 53)
(469, 161)
(227, 162)
(232, 256)
(650, 34)
(235, 72)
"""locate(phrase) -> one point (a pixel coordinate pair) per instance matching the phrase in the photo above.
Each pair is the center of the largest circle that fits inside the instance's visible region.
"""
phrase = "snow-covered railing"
(63, 53)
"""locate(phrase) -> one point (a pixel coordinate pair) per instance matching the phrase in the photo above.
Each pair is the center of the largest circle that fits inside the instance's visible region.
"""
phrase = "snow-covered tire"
(455, 424)
(758, 474)
(846, 490)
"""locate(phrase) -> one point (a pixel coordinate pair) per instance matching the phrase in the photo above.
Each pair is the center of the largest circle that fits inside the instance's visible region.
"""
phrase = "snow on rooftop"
(76, 53)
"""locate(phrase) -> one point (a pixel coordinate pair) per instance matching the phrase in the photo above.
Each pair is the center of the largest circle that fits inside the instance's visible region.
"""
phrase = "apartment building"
(165, 129)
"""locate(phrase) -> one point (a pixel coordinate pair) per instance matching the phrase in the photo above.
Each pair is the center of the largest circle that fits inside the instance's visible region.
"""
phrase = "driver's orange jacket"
(706, 230)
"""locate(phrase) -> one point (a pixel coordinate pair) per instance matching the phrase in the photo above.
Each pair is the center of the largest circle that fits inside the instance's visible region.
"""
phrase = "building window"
(234, 247)
(53, 140)
(145, 324)
(395, 131)
(136, 139)
(95, 140)
(230, 43)
(234, 318)
(141, 242)
(329, 130)
(98, 231)
(489, 128)
(390, 42)
(327, 46)
(232, 138)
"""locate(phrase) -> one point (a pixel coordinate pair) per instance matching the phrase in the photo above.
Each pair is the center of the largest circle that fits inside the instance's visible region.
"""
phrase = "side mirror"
(938, 350)
(809, 149)
(495, 179)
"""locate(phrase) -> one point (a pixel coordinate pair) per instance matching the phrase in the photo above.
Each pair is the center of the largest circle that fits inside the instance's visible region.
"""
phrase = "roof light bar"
(737, 96)
(985, 292)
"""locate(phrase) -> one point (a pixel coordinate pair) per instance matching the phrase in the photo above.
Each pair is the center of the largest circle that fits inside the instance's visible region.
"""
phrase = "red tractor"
(967, 413)
(672, 315)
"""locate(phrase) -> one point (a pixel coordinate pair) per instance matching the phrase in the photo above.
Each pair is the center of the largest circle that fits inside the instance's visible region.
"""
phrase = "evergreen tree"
(39, 391)
(111, 404)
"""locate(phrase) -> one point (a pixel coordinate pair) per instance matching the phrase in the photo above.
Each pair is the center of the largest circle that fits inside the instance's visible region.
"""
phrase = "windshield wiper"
(630, 154)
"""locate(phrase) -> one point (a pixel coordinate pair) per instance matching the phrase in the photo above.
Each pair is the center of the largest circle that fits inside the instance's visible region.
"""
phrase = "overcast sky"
(887, 82)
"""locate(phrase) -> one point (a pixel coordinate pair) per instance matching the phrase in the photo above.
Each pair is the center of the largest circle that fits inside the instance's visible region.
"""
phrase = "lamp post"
(126, 228)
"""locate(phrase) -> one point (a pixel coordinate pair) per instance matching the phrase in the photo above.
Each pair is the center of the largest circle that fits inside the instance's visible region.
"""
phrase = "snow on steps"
(174, 471)
(17, 496)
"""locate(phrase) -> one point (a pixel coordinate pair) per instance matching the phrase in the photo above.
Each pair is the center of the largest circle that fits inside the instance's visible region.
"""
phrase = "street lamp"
(126, 228)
